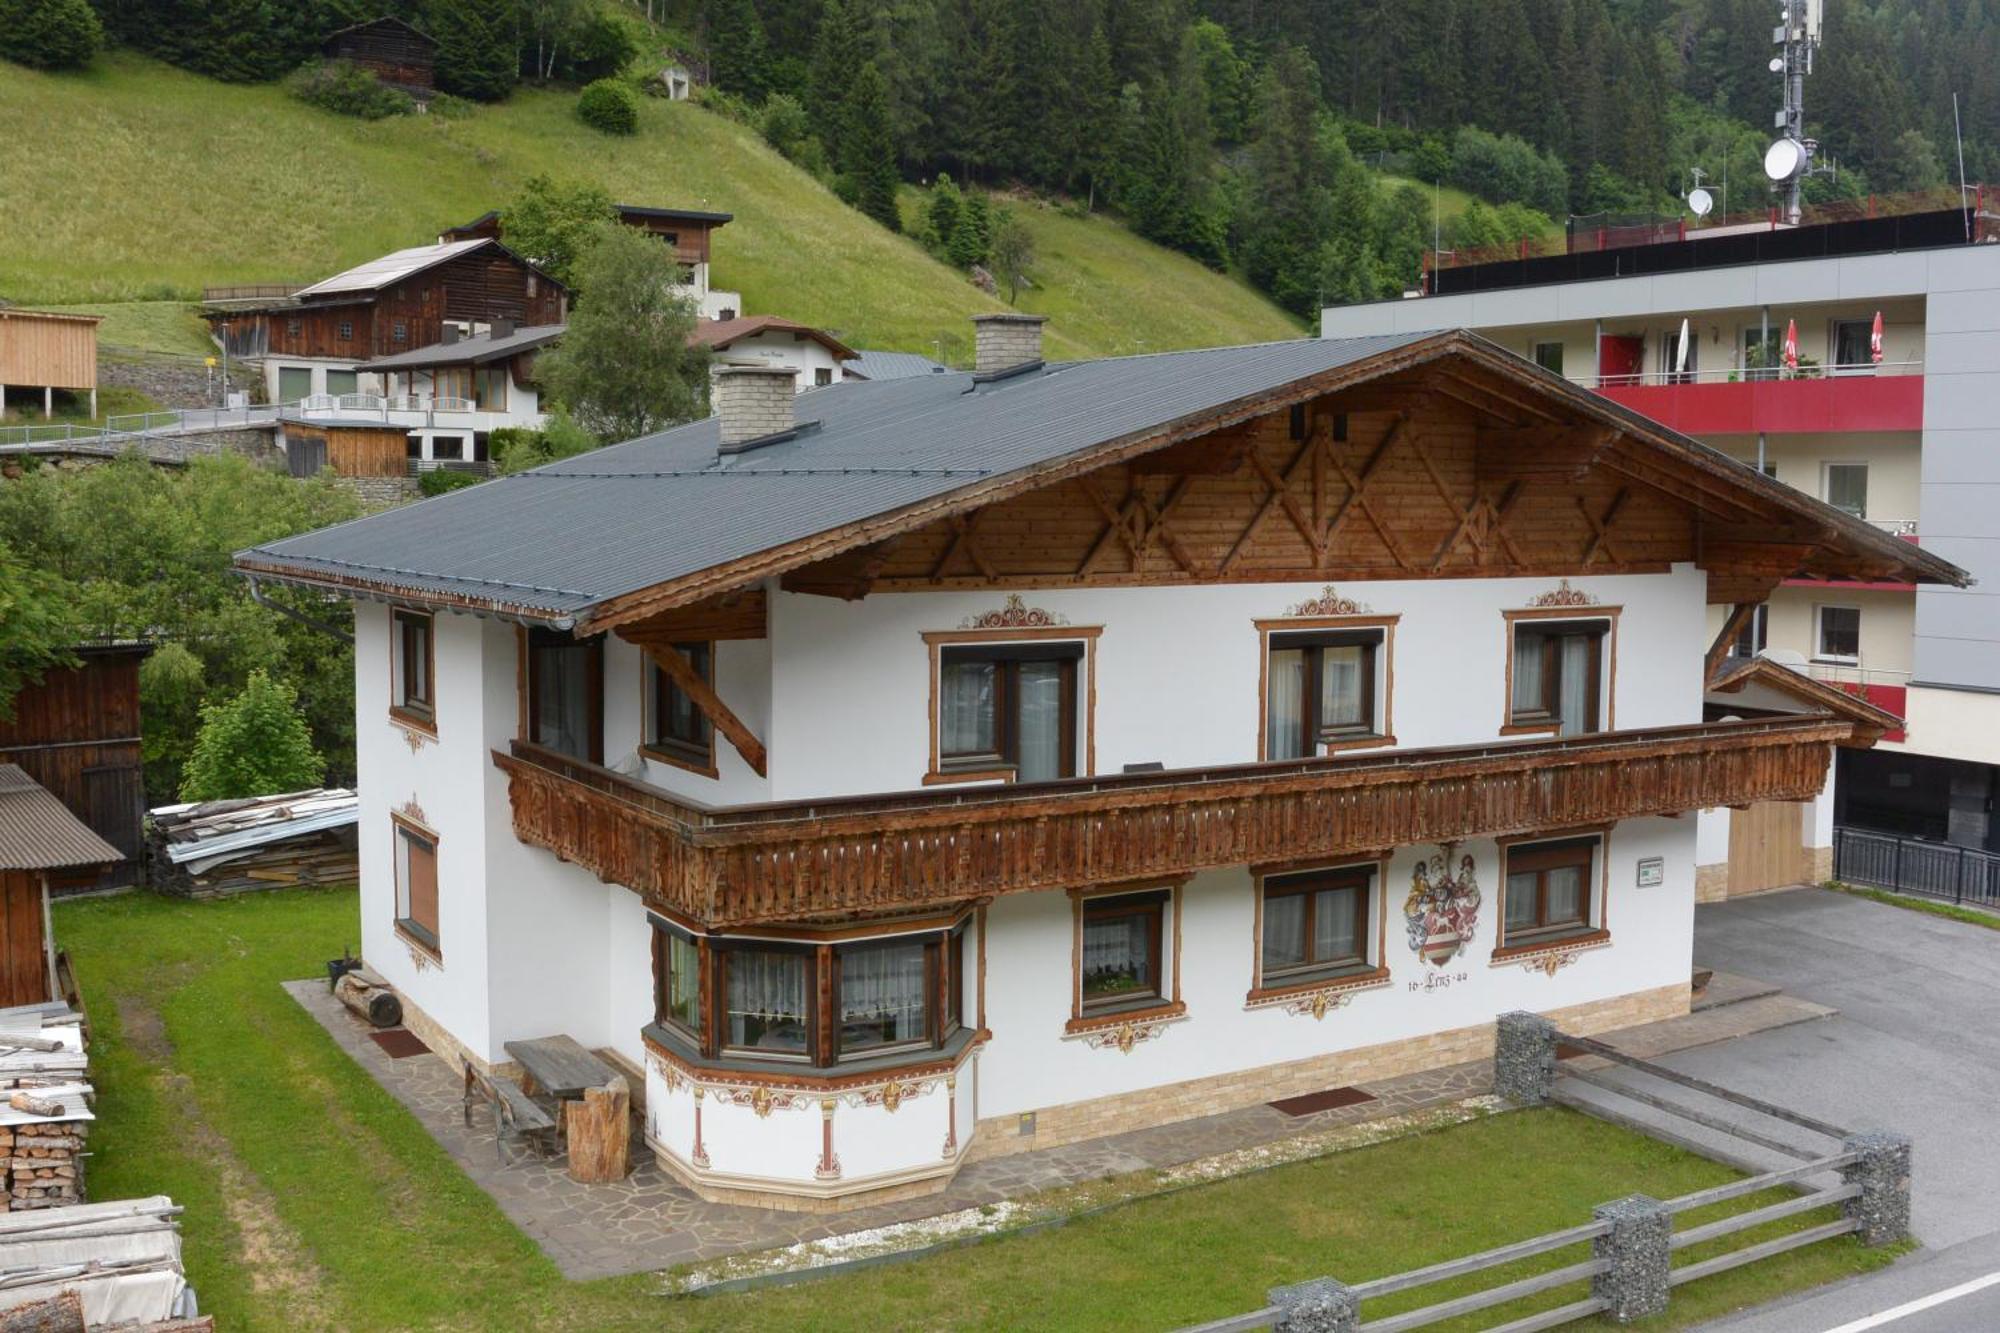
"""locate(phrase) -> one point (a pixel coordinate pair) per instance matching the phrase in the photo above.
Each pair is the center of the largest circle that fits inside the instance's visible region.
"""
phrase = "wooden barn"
(42, 845)
(43, 350)
(77, 734)
(390, 49)
(348, 449)
(397, 303)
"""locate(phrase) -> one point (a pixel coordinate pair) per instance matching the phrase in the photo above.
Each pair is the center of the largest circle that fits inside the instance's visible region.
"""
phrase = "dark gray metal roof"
(891, 365)
(468, 351)
(554, 542)
(37, 831)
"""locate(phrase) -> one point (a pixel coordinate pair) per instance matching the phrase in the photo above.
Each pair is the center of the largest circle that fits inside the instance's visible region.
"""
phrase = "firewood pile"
(97, 1266)
(214, 848)
(45, 1113)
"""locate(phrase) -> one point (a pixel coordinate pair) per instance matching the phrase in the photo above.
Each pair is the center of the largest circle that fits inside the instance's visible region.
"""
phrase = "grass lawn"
(172, 327)
(315, 1201)
(148, 182)
(24, 407)
(1972, 916)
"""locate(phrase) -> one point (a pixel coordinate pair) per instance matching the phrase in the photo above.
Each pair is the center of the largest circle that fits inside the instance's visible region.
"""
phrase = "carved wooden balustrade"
(744, 865)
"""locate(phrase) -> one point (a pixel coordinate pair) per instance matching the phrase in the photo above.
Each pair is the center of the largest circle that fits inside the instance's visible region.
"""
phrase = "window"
(886, 991)
(1558, 675)
(416, 884)
(767, 1003)
(1009, 707)
(342, 381)
(822, 376)
(1122, 938)
(1839, 635)
(294, 383)
(452, 382)
(676, 979)
(1671, 369)
(1549, 356)
(489, 386)
(1847, 488)
(344, 330)
(1548, 890)
(410, 666)
(448, 448)
(293, 327)
(1315, 925)
(679, 730)
(399, 332)
(1853, 353)
(1752, 638)
(1320, 688)
(566, 694)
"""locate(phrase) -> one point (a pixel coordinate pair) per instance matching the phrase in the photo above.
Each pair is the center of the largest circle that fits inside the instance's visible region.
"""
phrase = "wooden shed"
(76, 733)
(40, 349)
(358, 449)
(40, 842)
(390, 49)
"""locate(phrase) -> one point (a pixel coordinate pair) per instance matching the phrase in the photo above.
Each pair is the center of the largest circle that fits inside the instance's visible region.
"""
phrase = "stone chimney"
(754, 402)
(500, 328)
(1006, 342)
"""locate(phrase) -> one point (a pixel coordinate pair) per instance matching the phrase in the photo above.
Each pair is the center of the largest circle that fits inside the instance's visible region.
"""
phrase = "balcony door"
(566, 694)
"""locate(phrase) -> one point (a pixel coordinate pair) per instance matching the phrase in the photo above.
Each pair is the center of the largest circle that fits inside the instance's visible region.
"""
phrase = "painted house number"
(1437, 981)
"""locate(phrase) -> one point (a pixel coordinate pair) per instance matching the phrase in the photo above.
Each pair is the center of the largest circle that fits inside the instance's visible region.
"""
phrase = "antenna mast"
(1789, 159)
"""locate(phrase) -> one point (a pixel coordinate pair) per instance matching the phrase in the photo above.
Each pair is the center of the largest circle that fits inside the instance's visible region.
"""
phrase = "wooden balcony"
(745, 865)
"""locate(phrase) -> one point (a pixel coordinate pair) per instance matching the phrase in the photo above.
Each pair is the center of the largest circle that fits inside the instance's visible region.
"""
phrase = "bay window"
(676, 978)
(565, 694)
(1556, 673)
(767, 1005)
(1315, 925)
(886, 994)
(1549, 890)
(1008, 708)
(1320, 689)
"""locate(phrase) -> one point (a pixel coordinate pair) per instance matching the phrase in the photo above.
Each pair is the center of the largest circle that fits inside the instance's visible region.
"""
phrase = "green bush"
(49, 34)
(256, 744)
(440, 481)
(346, 89)
(610, 106)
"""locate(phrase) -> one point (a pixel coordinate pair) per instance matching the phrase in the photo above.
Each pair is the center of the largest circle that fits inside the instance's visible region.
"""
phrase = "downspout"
(257, 596)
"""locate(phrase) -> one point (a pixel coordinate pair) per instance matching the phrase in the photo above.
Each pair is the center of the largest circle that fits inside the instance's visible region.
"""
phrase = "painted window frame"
(1593, 928)
(419, 712)
(530, 712)
(1373, 968)
(406, 835)
(1382, 679)
(1537, 619)
(1820, 654)
(665, 935)
(1166, 1001)
(1081, 735)
(697, 757)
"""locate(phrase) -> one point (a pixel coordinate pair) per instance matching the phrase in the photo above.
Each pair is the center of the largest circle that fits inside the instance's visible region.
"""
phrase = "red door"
(1620, 359)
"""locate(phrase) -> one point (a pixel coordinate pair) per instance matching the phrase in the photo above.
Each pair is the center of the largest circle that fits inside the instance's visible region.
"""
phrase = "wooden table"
(560, 1067)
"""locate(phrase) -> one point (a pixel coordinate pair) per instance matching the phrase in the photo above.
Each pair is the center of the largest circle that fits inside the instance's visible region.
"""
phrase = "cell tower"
(1789, 159)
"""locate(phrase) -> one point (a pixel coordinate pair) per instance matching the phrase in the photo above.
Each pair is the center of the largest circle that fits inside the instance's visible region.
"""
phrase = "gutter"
(324, 627)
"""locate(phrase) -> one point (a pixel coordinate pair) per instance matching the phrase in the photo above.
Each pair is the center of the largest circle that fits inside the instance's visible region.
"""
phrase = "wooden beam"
(681, 671)
(1600, 526)
(1732, 625)
(1357, 494)
(1278, 493)
(736, 616)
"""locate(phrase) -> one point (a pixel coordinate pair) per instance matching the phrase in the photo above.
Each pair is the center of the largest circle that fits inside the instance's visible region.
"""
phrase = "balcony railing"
(1757, 374)
(1734, 402)
(745, 865)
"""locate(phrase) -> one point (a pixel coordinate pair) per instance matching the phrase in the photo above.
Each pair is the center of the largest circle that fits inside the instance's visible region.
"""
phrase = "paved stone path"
(648, 1222)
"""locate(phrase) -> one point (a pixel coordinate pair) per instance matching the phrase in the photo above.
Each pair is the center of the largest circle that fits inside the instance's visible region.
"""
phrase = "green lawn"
(24, 406)
(148, 183)
(1971, 916)
(172, 327)
(315, 1201)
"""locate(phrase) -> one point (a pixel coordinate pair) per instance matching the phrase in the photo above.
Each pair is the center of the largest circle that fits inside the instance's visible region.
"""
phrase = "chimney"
(500, 328)
(1004, 343)
(448, 334)
(755, 403)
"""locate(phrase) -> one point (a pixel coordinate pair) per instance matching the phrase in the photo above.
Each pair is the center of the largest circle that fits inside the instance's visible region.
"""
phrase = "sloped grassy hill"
(137, 181)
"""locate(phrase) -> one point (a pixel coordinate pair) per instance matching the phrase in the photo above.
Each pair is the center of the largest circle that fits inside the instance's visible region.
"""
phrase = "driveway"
(1915, 1048)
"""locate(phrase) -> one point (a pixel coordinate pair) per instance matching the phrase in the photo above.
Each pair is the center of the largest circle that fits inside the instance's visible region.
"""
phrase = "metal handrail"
(1754, 374)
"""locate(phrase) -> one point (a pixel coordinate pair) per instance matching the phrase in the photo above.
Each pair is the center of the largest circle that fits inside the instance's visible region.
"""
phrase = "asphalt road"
(1913, 1049)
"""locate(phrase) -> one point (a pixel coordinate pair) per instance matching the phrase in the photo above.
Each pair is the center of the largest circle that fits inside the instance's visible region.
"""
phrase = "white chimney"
(754, 402)
(1006, 342)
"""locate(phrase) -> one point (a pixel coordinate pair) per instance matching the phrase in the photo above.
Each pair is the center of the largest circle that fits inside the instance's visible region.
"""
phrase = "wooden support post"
(1739, 616)
(672, 661)
(48, 402)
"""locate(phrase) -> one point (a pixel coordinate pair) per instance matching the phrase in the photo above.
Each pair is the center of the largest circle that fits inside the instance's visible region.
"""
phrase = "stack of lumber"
(212, 848)
(45, 1110)
(114, 1265)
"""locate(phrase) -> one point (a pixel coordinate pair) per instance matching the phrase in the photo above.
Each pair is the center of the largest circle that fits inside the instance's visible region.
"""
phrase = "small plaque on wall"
(1652, 871)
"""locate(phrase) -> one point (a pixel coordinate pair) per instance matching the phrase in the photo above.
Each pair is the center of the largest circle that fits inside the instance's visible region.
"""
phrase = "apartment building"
(1857, 360)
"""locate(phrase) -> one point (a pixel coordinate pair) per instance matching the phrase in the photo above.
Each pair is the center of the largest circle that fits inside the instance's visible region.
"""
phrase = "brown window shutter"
(424, 886)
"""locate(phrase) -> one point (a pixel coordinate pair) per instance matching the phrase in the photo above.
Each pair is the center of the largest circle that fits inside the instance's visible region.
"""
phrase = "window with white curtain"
(885, 994)
(1123, 943)
(1320, 687)
(1548, 890)
(1558, 675)
(1009, 707)
(767, 1001)
(1316, 924)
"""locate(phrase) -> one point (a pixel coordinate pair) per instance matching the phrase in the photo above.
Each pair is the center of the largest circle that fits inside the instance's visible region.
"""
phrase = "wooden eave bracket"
(681, 671)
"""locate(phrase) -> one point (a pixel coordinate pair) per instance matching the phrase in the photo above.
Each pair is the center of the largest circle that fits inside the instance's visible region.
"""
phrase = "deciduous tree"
(254, 744)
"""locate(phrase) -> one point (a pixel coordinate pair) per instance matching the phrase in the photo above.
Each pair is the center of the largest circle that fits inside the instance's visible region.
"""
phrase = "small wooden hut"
(41, 843)
(40, 349)
(76, 732)
(390, 49)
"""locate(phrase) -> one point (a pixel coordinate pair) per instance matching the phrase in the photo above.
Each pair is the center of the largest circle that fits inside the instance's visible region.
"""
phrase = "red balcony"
(1889, 698)
(1780, 407)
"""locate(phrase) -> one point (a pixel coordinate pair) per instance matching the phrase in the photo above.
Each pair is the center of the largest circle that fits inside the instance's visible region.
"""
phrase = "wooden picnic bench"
(516, 1115)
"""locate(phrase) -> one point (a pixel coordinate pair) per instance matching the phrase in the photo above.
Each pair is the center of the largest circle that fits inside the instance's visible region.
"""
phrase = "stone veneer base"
(1711, 883)
(1058, 1125)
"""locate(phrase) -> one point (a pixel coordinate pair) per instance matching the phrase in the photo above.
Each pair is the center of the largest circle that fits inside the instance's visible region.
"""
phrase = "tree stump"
(370, 996)
(600, 1133)
(60, 1313)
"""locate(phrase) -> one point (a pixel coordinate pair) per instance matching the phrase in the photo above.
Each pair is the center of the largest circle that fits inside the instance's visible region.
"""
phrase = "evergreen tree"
(49, 34)
(739, 61)
(941, 213)
(838, 48)
(873, 150)
(972, 238)
(1290, 207)
(478, 53)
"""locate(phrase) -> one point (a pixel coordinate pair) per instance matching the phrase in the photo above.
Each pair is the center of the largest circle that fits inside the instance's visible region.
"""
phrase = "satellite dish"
(1777, 64)
(1700, 201)
(1784, 159)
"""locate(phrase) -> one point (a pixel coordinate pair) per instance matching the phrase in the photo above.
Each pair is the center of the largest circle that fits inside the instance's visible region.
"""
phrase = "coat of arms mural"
(1443, 907)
